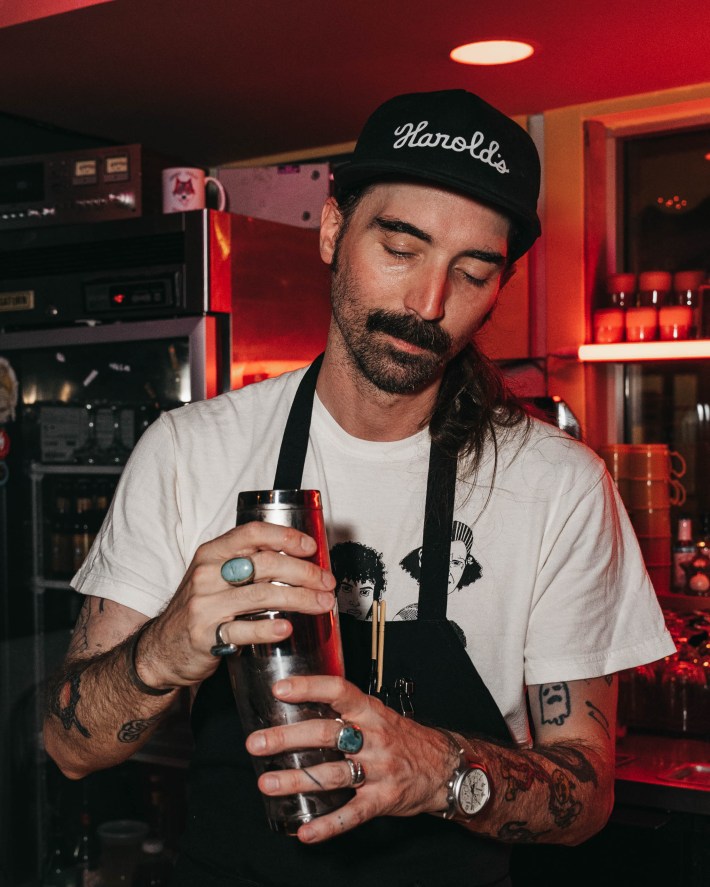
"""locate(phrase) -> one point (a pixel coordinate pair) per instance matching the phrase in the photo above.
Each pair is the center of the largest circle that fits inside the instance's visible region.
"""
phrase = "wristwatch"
(468, 788)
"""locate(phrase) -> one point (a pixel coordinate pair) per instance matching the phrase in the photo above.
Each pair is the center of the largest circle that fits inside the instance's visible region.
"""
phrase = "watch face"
(474, 791)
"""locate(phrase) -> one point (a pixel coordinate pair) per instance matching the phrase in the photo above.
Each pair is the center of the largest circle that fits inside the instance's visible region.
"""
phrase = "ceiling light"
(491, 52)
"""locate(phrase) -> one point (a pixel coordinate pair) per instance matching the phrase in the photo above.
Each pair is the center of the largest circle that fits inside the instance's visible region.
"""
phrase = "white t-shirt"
(546, 584)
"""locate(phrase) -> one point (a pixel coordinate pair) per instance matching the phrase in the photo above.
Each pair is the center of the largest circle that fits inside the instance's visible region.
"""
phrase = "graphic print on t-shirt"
(360, 575)
(464, 569)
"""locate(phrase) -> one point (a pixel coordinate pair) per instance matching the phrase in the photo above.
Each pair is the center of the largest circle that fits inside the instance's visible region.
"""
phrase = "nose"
(427, 294)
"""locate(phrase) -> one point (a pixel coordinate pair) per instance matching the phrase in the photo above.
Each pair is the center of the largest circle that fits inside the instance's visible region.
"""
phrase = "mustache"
(422, 333)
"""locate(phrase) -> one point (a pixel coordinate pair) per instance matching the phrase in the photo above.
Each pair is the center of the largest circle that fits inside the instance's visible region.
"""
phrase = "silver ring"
(357, 773)
(349, 739)
(222, 647)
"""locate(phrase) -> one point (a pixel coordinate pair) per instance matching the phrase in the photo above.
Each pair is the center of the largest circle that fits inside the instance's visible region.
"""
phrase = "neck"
(362, 409)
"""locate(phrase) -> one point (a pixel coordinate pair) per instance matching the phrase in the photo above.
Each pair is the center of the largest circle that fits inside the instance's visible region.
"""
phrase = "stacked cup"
(648, 478)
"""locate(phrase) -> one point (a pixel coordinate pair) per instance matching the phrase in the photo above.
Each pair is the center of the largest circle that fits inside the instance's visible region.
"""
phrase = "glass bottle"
(697, 572)
(683, 551)
(702, 540)
(84, 530)
(154, 867)
(60, 534)
(85, 854)
(59, 866)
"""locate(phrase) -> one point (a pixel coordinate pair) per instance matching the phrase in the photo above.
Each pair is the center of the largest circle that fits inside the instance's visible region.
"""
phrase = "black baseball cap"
(455, 139)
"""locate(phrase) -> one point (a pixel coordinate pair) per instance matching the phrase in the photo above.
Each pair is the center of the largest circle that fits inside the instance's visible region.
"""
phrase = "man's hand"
(97, 717)
(559, 791)
(176, 649)
(406, 765)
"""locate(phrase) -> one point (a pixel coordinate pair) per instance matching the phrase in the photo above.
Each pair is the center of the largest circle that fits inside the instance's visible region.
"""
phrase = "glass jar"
(608, 325)
(620, 290)
(654, 288)
(686, 292)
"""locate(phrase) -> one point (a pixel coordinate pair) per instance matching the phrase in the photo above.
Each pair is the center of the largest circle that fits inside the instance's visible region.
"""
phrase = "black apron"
(228, 842)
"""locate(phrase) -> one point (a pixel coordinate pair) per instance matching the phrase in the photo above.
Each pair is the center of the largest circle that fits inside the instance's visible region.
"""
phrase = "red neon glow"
(247, 372)
(688, 349)
(118, 298)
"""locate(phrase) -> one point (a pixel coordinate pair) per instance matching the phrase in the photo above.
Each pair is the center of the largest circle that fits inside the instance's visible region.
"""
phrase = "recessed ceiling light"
(491, 52)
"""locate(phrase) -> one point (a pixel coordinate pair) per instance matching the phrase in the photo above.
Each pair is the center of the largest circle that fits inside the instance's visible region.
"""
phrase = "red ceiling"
(218, 80)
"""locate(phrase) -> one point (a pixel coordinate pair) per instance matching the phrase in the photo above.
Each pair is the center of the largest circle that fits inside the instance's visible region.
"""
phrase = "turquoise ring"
(238, 570)
(350, 739)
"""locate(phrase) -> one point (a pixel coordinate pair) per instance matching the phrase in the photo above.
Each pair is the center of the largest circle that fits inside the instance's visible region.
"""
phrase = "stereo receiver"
(87, 185)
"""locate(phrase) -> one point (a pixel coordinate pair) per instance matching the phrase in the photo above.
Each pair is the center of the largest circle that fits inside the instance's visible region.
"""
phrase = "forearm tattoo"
(516, 832)
(63, 697)
(521, 773)
(132, 731)
(80, 638)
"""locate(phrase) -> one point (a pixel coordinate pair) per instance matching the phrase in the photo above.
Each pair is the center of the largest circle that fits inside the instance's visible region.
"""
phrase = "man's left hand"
(406, 765)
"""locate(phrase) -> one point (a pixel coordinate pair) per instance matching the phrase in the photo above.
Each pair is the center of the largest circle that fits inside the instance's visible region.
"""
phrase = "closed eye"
(478, 282)
(397, 253)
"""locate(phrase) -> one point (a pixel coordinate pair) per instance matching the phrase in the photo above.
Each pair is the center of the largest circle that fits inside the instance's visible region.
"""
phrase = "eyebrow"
(399, 226)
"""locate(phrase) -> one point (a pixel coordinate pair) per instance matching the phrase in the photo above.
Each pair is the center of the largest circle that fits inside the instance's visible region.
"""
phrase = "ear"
(330, 221)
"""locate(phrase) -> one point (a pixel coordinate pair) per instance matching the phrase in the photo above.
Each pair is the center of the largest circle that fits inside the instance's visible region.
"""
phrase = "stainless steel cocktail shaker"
(314, 647)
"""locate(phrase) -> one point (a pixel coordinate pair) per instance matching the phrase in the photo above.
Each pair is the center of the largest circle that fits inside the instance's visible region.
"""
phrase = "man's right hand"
(97, 717)
(175, 651)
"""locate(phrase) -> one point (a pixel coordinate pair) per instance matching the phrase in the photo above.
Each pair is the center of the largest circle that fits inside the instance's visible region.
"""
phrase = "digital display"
(23, 183)
(130, 295)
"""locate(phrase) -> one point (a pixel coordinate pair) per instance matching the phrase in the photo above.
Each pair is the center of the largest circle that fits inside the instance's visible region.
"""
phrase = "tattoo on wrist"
(132, 731)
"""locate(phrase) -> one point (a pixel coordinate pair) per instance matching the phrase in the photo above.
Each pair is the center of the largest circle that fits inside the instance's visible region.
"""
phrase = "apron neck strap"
(436, 542)
(440, 495)
(294, 444)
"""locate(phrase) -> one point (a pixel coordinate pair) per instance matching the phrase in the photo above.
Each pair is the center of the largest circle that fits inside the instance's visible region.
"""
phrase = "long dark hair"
(474, 404)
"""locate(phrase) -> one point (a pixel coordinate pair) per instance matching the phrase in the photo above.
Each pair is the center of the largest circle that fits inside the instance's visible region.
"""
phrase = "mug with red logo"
(184, 188)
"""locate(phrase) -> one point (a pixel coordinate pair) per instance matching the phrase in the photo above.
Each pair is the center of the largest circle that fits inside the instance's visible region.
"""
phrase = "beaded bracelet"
(133, 675)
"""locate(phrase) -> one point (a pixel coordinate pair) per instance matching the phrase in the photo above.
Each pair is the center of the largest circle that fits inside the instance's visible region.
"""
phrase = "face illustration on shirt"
(464, 569)
(355, 597)
(360, 575)
(457, 563)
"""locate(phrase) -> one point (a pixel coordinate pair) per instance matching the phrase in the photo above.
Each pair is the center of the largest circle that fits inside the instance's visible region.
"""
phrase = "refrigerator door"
(85, 396)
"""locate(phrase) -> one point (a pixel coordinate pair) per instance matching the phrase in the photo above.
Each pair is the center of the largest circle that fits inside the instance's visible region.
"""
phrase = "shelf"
(619, 352)
(40, 582)
(684, 602)
(40, 469)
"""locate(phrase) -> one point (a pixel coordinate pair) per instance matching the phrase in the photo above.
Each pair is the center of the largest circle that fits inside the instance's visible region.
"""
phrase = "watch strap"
(451, 810)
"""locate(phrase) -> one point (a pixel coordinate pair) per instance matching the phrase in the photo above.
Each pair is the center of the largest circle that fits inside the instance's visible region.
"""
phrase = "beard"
(383, 364)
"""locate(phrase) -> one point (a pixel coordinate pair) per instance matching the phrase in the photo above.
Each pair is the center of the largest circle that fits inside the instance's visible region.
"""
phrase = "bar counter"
(657, 772)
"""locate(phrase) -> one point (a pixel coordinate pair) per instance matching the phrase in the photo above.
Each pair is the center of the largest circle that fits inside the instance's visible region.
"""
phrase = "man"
(410, 428)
